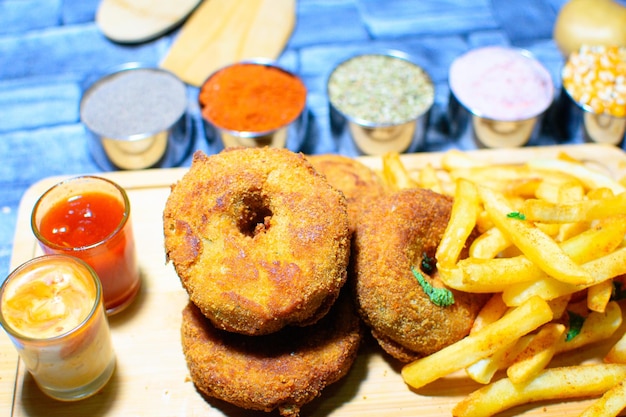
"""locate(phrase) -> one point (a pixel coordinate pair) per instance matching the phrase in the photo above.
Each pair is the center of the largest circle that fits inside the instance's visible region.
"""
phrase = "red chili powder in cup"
(250, 97)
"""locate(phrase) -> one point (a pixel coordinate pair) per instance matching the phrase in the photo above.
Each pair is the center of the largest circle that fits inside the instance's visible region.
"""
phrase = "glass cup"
(89, 217)
(51, 307)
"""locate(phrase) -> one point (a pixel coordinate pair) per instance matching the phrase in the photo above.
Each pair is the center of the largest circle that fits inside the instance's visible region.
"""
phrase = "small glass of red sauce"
(89, 217)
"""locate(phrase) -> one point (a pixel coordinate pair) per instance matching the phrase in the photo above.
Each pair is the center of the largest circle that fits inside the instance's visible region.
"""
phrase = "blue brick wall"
(48, 48)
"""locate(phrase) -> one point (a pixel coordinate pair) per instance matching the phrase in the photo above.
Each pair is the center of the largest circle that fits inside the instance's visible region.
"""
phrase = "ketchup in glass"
(82, 220)
(90, 219)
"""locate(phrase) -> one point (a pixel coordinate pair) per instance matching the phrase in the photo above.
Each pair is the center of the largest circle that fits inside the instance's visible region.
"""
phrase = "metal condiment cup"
(491, 133)
(122, 142)
(291, 135)
(376, 137)
(508, 131)
(595, 127)
(592, 82)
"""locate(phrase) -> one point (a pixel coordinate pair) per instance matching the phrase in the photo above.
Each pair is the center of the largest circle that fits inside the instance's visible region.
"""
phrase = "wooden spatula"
(222, 32)
(134, 21)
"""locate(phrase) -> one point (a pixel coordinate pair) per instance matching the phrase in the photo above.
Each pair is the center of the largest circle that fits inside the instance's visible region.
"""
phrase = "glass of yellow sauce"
(51, 308)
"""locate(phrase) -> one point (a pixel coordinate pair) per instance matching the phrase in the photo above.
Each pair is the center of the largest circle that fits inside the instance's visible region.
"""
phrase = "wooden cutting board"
(134, 21)
(151, 378)
(222, 32)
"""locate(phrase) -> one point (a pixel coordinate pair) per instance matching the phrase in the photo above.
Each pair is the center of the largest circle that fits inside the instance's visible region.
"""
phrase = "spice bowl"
(380, 102)
(594, 93)
(137, 118)
(498, 95)
(254, 103)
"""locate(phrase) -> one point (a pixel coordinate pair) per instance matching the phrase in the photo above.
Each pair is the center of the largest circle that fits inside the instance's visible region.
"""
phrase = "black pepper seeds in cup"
(380, 93)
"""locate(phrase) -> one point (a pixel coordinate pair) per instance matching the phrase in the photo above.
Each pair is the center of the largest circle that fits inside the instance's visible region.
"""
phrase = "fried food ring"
(258, 238)
(397, 231)
(283, 371)
(353, 178)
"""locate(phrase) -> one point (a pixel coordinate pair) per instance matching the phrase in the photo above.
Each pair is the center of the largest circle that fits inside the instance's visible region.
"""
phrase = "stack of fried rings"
(261, 242)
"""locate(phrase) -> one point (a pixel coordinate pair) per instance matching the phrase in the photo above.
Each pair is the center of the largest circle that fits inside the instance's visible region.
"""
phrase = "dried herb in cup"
(380, 89)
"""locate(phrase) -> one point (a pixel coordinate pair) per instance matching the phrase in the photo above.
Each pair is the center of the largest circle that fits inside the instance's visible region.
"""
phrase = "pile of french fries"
(551, 251)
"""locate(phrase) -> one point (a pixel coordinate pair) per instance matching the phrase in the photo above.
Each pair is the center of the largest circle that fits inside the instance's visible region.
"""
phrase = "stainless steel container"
(593, 85)
(137, 118)
(582, 120)
(511, 93)
(290, 135)
(491, 133)
(376, 137)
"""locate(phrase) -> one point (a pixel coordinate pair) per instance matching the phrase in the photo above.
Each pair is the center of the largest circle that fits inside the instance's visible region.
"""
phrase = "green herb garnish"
(516, 215)
(575, 325)
(442, 297)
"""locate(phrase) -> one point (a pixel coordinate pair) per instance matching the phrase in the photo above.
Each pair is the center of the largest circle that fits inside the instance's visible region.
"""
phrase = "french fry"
(459, 355)
(550, 384)
(484, 222)
(610, 404)
(506, 178)
(558, 305)
(455, 159)
(600, 194)
(395, 174)
(583, 210)
(536, 245)
(484, 370)
(597, 327)
(599, 295)
(489, 244)
(547, 288)
(600, 241)
(617, 353)
(524, 187)
(597, 241)
(461, 224)
(428, 179)
(491, 311)
(607, 267)
(560, 192)
(537, 354)
(569, 230)
(490, 275)
(550, 229)
(591, 179)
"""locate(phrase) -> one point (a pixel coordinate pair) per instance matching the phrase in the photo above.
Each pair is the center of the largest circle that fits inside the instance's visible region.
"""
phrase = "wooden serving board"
(151, 378)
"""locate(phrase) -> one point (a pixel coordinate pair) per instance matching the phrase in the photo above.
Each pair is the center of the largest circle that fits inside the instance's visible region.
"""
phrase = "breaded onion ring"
(397, 232)
(281, 371)
(258, 238)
